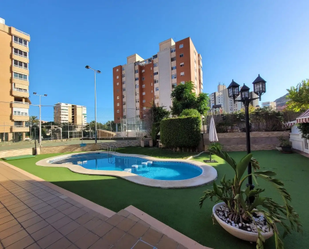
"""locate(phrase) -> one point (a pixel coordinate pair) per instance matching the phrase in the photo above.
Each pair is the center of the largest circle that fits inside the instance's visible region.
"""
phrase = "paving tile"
(167, 242)
(27, 216)
(138, 230)
(85, 218)
(22, 212)
(143, 223)
(60, 244)
(37, 226)
(113, 235)
(77, 214)
(68, 228)
(39, 206)
(49, 213)
(34, 246)
(10, 231)
(54, 200)
(70, 210)
(31, 221)
(55, 217)
(4, 213)
(43, 232)
(115, 219)
(93, 224)
(101, 244)
(64, 206)
(43, 209)
(61, 222)
(23, 243)
(72, 247)
(77, 234)
(181, 247)
(49, 239)
(6, 219)
(8, 224)
(133, 217)
(87, 240)
(127, 241)
(14, 238)
(103, 229)
(124, 213)
(126, 224)
(58, 203)
(152, 236)
(142, 245)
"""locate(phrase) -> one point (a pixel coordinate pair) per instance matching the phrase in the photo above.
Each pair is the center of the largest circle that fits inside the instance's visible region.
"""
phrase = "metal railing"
(20, 102)
(22, 32)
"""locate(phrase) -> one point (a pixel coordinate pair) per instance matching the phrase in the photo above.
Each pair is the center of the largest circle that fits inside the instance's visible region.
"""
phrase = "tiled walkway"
(35, 215)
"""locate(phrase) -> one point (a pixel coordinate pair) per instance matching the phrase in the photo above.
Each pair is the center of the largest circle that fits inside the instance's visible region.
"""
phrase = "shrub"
(190, 113)
(182, 132)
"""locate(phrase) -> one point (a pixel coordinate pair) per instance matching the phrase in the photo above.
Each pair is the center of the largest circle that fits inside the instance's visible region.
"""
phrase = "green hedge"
(182, 132)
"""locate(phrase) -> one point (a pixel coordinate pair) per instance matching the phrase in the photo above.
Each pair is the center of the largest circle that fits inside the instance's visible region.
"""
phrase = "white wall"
(130, 90)
(165, 85)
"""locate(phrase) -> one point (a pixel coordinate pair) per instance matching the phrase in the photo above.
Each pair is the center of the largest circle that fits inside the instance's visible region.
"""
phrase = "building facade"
(141, 82)
(68, 113)
(14, 83)
(220, 102)
(271, 105)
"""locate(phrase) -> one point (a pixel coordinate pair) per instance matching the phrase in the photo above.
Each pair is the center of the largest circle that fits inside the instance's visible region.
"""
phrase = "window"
(155, 73)
(174, 76)
(144, 108)
(20, 41)
(173, 68)
(117, 83)
(155, 64)
(156, 81)
(173, 50)
(123, 69)
(136, 79)
(20, 64)
(143, 71)
(136, 71)
(157, 89)
(117, 104)
(123, 89)
(155, 56)
(182, 64)
(143, 78)
(136, 86)
(20, 76)
(173, 59)
(117, 70)
(20, 53)
(117, 77)
(144, 101)
(182, 73)
(181, 55)
(143, 86)
(144, 93)
(181, 46)
(123, 82)
(117, 97)
(174, 85)
(182, 82)
(117, 111)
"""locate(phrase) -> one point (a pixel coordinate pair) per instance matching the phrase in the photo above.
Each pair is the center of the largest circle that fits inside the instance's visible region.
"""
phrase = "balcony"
(18, 92)
(18, 117)
(20, 128)
(20, 104)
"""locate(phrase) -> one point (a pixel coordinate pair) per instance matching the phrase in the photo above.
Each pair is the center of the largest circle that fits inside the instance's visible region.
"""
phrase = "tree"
(33, 120)
(183, 97)
(298, 97)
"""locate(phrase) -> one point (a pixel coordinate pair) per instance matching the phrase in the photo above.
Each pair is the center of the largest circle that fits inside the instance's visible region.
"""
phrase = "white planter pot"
(239, 233)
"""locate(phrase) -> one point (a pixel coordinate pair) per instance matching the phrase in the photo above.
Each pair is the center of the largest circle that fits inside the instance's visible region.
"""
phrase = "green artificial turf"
(179, 208)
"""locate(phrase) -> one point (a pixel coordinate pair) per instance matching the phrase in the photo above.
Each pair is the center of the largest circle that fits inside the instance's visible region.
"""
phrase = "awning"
(304, 118)
(289, 124)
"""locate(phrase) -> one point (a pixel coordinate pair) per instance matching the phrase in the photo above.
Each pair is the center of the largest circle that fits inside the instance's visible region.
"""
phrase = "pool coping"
(209, 174)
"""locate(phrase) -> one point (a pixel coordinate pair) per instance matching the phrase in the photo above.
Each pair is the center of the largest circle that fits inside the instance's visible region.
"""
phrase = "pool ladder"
(110, 149)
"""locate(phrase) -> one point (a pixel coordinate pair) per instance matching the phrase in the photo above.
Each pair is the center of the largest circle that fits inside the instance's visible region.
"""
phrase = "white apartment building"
(68, 113)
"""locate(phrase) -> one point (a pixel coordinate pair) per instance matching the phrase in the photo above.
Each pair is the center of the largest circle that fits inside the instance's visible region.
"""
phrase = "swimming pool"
(140, 169)
(158, 170)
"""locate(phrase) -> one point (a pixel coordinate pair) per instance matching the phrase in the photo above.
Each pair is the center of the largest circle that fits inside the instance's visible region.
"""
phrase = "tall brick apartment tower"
(14, 83)
(141, 81)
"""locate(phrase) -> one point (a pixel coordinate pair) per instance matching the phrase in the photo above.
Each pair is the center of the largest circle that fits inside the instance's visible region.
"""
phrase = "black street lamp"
(259, 87)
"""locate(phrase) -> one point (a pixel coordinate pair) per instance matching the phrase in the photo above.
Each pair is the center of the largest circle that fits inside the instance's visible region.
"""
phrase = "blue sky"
(237, 39)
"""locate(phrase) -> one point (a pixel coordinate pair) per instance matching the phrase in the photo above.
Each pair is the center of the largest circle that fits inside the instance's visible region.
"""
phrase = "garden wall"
(18, 152)
(88, 147)
(259, 140)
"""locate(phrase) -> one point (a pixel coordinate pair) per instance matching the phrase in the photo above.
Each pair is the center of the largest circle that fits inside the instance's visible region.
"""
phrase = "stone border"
(208, 175)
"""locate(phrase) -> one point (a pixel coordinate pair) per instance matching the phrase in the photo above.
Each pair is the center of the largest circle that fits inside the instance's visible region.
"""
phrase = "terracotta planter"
(239, 233)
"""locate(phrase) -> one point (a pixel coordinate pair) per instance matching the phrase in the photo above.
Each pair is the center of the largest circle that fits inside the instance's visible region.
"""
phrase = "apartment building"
(220, 102)
(271, 105)
(141, 82)
(14, 83)
(68, 113)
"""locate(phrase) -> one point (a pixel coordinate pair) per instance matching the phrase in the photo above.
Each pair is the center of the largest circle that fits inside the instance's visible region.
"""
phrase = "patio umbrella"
(213, 137)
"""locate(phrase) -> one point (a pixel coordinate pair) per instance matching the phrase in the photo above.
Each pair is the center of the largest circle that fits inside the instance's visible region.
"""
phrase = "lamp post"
(95, 101)
(40, 124)
(259, 87)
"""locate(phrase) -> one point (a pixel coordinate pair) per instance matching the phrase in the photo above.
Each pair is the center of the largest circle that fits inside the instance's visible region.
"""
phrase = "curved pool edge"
(208, 175)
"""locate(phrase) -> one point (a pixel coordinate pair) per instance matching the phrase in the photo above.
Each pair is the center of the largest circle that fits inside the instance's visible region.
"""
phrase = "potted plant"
(243, 212)
(285, 145)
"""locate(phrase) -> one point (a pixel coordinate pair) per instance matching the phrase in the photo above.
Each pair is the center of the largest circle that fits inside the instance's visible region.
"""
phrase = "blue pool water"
(159, 170)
